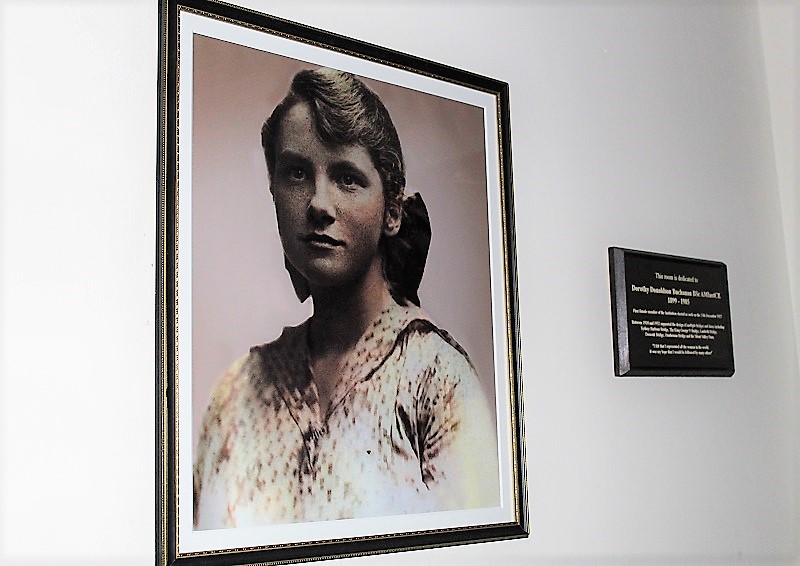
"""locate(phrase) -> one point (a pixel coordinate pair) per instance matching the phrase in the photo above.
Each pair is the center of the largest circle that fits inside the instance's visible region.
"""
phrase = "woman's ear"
(392, 218)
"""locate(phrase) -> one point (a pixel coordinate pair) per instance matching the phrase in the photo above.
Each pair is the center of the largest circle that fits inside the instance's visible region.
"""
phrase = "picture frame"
(222, 285)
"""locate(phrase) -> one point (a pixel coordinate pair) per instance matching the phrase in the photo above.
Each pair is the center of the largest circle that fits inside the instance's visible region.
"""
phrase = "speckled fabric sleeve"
(451, 426)
(223, 439)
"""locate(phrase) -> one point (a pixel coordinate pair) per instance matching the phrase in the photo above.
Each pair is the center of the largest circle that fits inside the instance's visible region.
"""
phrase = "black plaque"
(671, 315)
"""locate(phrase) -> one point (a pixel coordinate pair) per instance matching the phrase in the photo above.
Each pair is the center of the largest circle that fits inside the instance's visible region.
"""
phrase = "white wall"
(780, 34)
(644, 126)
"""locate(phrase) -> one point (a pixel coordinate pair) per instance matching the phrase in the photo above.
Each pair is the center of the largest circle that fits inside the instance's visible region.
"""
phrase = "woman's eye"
(349, 181)
(296, 174)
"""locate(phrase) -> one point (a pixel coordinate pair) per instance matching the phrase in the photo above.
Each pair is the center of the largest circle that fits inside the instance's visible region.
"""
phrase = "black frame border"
(166, 163)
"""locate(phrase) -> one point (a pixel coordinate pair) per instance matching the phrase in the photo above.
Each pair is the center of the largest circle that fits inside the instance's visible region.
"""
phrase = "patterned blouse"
(408, 431)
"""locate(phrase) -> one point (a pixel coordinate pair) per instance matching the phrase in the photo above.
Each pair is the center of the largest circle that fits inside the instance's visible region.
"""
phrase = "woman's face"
(329, 203)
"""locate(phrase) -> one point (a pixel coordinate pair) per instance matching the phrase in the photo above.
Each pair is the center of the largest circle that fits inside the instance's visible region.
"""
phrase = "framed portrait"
(339, 367)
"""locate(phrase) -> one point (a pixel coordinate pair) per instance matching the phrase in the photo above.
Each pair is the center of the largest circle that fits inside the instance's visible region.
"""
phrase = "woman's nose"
(322, 206)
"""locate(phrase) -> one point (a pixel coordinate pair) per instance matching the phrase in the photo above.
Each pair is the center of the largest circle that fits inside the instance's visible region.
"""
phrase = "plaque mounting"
(670, 315)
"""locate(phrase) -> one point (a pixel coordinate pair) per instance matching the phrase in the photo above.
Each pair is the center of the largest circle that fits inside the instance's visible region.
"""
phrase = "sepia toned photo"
(340, 369)
(367, 407)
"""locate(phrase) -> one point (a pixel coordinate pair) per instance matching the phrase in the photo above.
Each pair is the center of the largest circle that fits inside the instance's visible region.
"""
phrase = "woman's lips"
(321, 241)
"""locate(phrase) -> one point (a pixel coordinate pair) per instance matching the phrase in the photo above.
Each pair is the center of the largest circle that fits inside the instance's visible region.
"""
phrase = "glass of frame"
(384, 411)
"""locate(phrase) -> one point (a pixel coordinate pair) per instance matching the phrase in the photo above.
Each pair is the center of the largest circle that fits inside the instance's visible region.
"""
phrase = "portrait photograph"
(343, 367)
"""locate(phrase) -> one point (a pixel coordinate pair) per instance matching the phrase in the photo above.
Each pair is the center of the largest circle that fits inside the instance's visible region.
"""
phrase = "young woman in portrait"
(368, 408)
